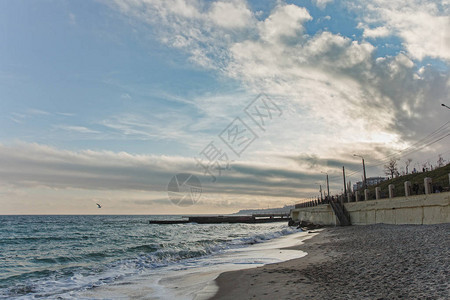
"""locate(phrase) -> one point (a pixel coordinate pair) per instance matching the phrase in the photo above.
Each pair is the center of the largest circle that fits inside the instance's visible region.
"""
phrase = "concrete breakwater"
(253, 219)
(417, 209)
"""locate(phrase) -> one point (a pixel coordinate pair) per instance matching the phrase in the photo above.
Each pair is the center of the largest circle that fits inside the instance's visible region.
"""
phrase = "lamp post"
(320, 189)
(445, 105)
(345, 184)
(328, 186)
(364, 170)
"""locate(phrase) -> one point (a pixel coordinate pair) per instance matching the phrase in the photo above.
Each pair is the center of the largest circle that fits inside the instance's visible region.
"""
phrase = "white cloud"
(286, 21)
(170, 126)
(333, 83)
(422, 25)
(126, 96)
(231, 15)
(65, 114)
(39, 112)
(322, 3)
(377, 32)
(77, 129)
(201, 29)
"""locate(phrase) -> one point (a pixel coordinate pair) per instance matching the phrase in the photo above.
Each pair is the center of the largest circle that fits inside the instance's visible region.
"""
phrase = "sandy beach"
(356, 262)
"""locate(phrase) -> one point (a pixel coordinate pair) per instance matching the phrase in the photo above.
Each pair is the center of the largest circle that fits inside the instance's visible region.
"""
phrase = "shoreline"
(357, 262)
(195, 279)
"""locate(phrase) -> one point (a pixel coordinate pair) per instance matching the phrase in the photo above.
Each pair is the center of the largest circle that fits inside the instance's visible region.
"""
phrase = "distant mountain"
(279, 210)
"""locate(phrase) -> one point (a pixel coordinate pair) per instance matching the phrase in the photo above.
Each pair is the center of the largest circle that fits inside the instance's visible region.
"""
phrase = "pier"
(253, 219)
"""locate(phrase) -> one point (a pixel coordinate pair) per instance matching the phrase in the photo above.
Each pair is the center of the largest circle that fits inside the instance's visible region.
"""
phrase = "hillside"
(439, 177)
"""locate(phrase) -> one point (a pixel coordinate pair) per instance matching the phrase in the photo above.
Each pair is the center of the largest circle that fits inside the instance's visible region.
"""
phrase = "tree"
(391, 167)
(441, 161)
(407, 163)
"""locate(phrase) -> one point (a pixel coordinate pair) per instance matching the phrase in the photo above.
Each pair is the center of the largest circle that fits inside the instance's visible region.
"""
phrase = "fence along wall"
(419, 209)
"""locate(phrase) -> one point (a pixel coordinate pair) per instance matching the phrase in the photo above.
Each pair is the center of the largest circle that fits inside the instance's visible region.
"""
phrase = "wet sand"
(356, 262)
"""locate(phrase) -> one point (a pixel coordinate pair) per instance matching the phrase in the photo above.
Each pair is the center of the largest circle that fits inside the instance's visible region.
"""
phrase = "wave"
(93, 269)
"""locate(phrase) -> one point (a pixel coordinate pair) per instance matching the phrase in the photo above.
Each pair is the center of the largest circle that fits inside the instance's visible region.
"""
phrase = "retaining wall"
(420, 209)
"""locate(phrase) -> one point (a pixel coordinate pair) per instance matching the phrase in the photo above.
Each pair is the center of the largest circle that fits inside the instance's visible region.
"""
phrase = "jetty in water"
(253, 219)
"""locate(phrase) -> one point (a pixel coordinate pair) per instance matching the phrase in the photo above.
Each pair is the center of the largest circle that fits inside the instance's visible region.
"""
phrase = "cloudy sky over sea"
(105, 101)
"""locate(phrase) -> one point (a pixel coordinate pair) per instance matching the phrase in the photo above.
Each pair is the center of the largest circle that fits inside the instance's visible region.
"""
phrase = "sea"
(124, 257)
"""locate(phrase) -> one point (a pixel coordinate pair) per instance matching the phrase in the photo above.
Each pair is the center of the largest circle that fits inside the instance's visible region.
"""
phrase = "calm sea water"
(57, 256)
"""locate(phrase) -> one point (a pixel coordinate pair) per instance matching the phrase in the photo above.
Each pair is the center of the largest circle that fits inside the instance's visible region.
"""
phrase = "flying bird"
(98, 205)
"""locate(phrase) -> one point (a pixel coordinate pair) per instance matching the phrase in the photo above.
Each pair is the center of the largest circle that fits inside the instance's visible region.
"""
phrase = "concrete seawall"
(420, 209)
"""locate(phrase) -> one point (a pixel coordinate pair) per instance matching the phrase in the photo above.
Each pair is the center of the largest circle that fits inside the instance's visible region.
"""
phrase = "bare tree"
(441, 161)
(407, 163)
(391, 167)
(424, 166)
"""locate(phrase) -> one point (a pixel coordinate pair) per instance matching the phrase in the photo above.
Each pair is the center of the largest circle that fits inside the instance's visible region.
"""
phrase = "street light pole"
(345, 184)
(320, 190)
(328, 186)
(364, 170)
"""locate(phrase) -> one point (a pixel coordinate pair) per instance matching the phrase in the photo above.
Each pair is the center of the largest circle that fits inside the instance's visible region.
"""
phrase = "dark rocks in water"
(306, 225)
(292, 223)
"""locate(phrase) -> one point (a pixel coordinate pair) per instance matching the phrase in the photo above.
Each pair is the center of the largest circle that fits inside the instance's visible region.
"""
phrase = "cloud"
(377, 32)
(165, 126)
(338, 97)
(72, 19)
(28, 114)
(33, 172)
(65, 114)
(77, 129)
(231, 15)
(422, 25)
(17, 118)
(314, 161)
(39, 112)
(191, 26)
(126, 96)
(322, 3)
(34, 165)
(327, 84)
(284, 23)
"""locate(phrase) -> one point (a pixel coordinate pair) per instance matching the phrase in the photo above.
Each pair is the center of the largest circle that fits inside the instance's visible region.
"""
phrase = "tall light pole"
(345, 184)
(364, 170)
(328, 186)
(320, 189)
(445, 105)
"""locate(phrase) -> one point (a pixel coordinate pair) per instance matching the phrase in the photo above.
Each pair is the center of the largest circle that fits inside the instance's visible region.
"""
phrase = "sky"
(107, 101)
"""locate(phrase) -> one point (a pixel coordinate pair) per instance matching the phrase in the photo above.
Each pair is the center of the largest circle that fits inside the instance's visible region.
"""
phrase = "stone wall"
(420, 209)
(321, 214)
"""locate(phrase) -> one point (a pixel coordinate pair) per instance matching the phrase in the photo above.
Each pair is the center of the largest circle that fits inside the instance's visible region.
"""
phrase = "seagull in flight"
(98, 205)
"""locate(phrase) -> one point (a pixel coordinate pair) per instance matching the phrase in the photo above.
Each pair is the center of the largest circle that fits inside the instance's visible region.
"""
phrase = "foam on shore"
(194, 279)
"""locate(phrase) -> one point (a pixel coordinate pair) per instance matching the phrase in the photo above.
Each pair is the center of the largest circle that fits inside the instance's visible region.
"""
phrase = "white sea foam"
(194, 278)
(130, 258)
